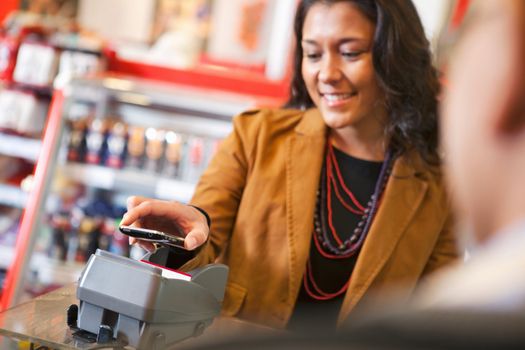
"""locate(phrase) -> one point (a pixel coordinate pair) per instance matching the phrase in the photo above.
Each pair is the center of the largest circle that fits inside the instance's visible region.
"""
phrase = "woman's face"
(337, 66)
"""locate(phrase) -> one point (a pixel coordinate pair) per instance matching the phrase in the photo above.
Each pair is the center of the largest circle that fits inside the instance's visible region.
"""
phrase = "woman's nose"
(329, 70)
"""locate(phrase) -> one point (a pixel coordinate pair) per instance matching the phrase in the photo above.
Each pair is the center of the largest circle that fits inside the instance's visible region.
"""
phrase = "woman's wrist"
(203, 212)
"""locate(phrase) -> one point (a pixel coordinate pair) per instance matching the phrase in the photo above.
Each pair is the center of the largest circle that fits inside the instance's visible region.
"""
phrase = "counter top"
(42, 321)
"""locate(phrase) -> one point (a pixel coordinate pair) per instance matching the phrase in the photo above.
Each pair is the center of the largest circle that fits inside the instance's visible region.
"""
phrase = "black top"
(360, 176)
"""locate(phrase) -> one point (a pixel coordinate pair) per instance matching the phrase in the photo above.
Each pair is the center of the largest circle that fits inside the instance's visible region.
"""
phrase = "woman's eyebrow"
(339, 42)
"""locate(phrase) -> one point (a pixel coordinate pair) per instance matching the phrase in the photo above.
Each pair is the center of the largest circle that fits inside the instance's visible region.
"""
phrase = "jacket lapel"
(302, 180)
(403, 196)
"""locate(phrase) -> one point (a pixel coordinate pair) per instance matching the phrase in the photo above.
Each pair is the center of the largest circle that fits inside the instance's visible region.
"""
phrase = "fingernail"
(190, 243)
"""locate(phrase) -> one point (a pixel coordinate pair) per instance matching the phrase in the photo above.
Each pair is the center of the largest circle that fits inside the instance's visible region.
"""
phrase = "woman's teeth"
(336, 97)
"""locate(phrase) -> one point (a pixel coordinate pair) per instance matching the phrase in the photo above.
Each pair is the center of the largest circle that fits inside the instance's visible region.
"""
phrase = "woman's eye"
(351, 54)
(312, 56)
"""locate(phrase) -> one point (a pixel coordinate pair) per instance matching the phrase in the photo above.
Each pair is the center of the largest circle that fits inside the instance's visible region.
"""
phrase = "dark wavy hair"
(403, 67)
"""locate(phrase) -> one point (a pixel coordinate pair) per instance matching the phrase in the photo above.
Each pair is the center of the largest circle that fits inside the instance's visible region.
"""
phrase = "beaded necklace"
(326, 240)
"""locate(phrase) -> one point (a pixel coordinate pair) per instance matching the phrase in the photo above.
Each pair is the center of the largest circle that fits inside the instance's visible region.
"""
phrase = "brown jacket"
(260, 192)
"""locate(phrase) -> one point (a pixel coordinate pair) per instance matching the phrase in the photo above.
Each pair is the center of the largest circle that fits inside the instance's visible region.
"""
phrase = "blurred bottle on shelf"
(96, 141)
(76, 151)
(116, 145)
(155, 139)
(136, 146)
(173, 154)
(194, 159)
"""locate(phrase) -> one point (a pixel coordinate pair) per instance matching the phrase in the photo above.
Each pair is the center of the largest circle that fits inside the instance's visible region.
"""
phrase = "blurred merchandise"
(83, 222)
(116, 144)
(36, 64)
(22, 112)
(9, 167)
(194, 158)
(136, 146)
(174, 143)
(76, 150)
(76, 64)
(96, 141)
(9, 223)
(154, 149)
(15, 171)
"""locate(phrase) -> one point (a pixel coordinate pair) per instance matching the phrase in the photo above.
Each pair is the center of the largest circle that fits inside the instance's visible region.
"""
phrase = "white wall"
(118, 19)
(433, 13)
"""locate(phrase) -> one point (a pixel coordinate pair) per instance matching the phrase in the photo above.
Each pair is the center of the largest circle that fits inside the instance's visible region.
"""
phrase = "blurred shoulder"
(413, 166)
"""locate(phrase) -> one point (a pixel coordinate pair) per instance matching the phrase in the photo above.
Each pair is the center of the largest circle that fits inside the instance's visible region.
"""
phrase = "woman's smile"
(334, 100)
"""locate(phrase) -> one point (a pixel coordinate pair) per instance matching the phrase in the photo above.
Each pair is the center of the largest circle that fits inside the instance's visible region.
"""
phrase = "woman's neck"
(366, 146)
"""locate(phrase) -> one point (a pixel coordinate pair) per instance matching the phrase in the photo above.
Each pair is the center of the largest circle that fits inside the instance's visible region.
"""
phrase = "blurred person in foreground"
(317, 207)
(483, 135)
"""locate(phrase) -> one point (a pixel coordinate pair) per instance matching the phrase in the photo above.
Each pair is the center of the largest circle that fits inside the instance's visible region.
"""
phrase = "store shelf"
(13, 196)
(20, 147)
(129, 181)
(49, 271)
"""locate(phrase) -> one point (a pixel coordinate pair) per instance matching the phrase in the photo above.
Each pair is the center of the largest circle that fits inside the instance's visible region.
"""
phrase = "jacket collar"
(311, 124)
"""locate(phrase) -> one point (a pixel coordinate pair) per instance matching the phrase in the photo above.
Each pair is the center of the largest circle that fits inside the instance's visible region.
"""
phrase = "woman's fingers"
(195, 238)
(133, 201)
(160, 214)
(140, 207)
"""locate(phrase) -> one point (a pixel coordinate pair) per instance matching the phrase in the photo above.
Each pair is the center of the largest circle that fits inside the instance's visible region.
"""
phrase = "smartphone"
(153, 236)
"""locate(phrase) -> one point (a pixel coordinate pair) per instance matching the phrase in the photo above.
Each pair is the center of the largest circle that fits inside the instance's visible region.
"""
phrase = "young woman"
(317, 207)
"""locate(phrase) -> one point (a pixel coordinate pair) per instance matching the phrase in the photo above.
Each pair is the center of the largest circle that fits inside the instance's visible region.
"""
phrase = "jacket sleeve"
(220, 188)
(445, 250)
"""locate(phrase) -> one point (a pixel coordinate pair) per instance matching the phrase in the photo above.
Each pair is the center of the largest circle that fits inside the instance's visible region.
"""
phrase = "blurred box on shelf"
(36, 64)
(22, 112)
(77, 64)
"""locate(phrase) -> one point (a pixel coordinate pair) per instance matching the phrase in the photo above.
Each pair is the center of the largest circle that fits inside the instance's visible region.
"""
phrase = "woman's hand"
(169, 217)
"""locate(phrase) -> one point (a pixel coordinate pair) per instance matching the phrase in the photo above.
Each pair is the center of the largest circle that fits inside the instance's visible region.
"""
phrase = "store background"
(154, 88)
